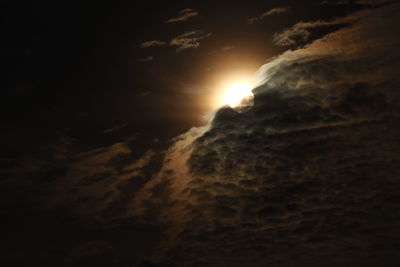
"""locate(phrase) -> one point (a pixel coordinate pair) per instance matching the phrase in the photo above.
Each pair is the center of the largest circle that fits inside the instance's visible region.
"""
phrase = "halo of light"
(236, 93)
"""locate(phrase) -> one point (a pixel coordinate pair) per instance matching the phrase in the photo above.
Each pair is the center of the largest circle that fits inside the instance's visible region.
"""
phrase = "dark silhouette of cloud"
(183, 15)
(189, 39)
(343, 2)
(273, 11)
(301, 31)
(152, 43)
(115, 128)
(307, 176)
(146, 59)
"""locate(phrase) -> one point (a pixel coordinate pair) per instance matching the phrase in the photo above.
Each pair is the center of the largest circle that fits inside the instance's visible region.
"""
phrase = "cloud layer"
(307, 176)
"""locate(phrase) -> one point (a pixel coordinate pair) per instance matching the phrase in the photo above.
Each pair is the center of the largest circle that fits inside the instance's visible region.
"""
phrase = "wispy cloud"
(152, 43)
(115, 128)
(189, 39)
(228, 47)
(300, 32)
(274, 11)
(342, 2)
(146, 59)
(144, 93)
(373, 2)
(183, 15)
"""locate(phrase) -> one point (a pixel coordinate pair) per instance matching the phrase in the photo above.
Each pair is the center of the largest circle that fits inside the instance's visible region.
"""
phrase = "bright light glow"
(232, 89)
(237, 92)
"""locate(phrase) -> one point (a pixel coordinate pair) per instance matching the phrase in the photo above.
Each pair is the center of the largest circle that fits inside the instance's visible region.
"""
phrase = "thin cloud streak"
(152, 43)
(183, 15)
(274, 11)
(189, 39)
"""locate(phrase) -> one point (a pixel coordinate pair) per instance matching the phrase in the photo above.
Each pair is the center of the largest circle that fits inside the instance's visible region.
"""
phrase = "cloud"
(362, 2)
(189, 39)
(301, 32)
(85, 198)
(183, 15)
(97, 253)
(342, 2)
(273, 11)
(228, 47)
(95, 185)
(183, 41)
(374, 2)
(100, 181)
(146, 59)
(152, 43)
(115, 128)
(144, 93)
(307, 173)
(308, 176)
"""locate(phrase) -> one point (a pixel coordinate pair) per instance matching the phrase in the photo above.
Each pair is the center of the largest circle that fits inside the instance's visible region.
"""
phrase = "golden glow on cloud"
(228, 87)
(232, 92)
(236, 92)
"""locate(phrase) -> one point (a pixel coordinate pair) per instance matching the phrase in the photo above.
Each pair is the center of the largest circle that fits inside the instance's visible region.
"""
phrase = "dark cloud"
(374, 2)
(75, 209)
(183, 15)
(349, 2)
(115, 128)
(96, 184)
(152, 43)
(146, 59)
(343, 2)
(300, 33)
(307, 176)
(101, 181)
(228, 47)
(189, 39)
(273, 11)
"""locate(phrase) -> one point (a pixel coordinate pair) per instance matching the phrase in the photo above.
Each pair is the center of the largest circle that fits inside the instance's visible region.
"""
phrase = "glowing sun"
(236, 93)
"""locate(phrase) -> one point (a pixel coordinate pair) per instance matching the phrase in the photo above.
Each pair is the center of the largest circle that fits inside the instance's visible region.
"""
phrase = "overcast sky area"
(119, 147)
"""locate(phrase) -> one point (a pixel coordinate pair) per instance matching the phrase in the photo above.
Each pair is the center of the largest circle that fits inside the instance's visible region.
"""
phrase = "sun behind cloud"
(233, 90)
(237, 92)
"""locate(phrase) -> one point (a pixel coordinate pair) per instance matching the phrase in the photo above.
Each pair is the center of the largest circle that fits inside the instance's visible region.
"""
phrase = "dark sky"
(107, 159)
(79, 66)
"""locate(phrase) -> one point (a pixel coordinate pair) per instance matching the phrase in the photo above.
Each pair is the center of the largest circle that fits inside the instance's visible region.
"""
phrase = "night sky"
(120, 145)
